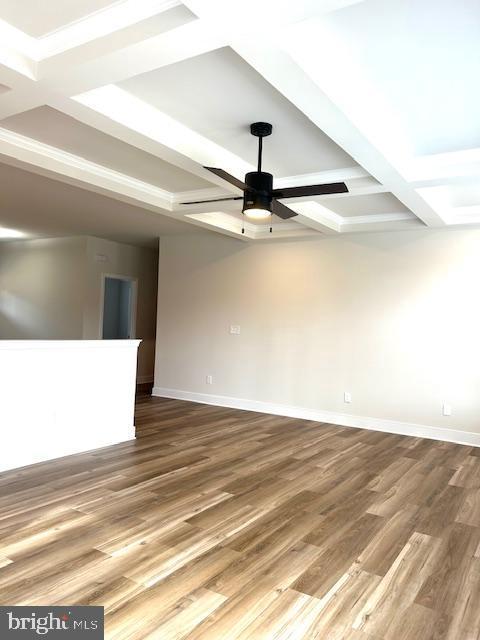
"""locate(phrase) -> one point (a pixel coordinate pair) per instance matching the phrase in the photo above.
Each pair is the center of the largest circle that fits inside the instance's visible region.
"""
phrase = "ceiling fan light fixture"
(257, 214)
(257, 201)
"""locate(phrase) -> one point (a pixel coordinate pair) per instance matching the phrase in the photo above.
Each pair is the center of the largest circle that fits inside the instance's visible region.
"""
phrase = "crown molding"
(15, 145)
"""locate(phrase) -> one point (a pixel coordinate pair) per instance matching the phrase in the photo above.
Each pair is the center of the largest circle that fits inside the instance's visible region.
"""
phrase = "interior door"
(117, 309)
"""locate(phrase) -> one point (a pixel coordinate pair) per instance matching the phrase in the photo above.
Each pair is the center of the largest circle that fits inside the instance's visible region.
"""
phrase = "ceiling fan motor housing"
(259, 196)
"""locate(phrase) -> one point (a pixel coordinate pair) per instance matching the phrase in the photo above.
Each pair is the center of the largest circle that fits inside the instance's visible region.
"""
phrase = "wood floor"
(217, 524)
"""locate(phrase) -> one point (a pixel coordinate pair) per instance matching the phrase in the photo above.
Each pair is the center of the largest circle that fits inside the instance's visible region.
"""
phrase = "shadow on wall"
(18, 314)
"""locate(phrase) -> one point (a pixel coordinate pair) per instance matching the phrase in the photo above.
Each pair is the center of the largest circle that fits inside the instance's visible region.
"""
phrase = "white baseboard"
(343, 419)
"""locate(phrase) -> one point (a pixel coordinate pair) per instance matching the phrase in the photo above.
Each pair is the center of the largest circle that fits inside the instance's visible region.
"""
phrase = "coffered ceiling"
(126, 101)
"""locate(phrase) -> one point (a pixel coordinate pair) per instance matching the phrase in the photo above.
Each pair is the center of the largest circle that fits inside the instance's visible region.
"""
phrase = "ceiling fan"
(260, 199)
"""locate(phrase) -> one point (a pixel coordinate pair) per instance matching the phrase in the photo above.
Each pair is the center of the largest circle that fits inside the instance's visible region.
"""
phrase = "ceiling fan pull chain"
(243, 222)
(271, 222)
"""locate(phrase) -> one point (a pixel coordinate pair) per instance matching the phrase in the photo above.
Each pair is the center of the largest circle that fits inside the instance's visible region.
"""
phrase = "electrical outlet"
(209, 379)
(235, 329)
(447, 409)
(347, 397)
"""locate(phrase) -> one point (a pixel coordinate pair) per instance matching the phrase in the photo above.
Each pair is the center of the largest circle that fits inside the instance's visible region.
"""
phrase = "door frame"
(133, 302)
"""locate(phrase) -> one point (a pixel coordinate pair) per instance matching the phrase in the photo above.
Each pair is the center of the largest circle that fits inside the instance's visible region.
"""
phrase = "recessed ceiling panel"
(218, 95)
(59, 130)
(367, 205)
(39, 17)
(423, 57)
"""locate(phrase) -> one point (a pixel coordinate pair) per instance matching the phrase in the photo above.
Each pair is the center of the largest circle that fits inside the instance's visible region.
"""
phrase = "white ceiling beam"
(99, 25)
(278, 68)
(183, 42)
(18, 101)
(125, 108)
(316, 216)
(325, 226)
(21, 100)
(115, 41)
(94, 26)
(16, 71)
(128, 126)
(33, 83)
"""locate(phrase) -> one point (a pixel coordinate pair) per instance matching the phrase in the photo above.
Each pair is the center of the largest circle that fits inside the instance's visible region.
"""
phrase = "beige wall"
(42, 289)
(392, 318)
(52, 289)
(140, 264)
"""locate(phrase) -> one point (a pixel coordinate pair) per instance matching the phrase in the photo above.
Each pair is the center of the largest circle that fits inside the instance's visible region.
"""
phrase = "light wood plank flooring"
(217, 524)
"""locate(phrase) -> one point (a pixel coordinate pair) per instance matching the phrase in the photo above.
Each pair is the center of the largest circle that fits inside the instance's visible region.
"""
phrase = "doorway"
(119, 308)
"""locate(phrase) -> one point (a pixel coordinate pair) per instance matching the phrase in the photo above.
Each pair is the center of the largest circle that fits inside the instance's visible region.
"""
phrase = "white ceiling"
(38, 17)
(117, 105)
(63, 132)
(219, 95)
(421, 55)
(50, 208)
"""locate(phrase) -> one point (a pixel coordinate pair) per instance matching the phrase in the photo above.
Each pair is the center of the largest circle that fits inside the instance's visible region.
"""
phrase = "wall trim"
(343, 419)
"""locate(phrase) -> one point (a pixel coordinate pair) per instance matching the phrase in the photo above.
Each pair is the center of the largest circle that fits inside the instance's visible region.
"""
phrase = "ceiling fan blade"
(215, 200)
(310, 190)
(282, 211)
(226, 176)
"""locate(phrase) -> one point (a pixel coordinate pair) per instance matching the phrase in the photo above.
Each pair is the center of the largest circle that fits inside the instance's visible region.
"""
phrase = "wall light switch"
(209, 379)
(347, 397)
(235, 329)
(447, 409)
